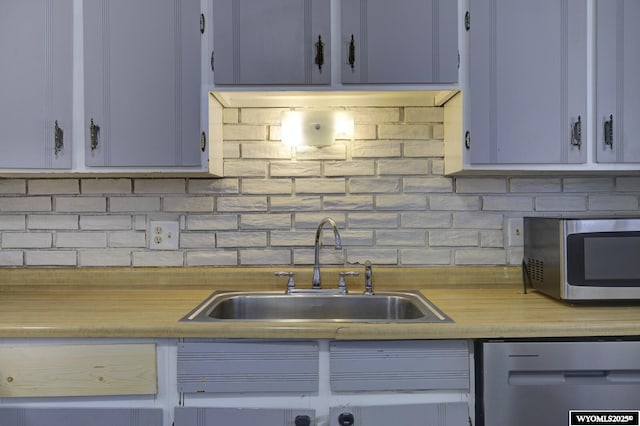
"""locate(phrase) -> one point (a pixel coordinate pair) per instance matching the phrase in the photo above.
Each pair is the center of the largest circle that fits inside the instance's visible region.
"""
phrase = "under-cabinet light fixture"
(316, 127)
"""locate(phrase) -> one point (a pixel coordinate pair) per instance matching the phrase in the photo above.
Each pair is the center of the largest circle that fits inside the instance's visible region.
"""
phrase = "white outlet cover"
(163, 235)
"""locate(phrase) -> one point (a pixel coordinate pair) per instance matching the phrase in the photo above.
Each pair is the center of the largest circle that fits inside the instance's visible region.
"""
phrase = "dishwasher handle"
(573, 377)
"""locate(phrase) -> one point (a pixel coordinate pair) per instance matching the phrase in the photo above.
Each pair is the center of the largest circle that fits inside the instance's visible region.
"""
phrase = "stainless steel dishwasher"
(538, 383)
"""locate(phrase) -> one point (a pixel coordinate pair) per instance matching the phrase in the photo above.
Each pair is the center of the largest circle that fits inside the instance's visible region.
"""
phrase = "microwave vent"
(535, 268)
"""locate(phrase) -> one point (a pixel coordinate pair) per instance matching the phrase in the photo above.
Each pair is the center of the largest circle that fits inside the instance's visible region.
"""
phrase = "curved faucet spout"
(316, 247)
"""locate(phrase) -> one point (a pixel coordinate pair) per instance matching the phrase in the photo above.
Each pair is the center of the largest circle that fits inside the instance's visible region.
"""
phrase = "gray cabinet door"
(142, 82)
(618, 81)
(36, 48)
(401, 41)
(527, 65)
(272, 42)
(439, 414)
(197, 416)
(80, 417)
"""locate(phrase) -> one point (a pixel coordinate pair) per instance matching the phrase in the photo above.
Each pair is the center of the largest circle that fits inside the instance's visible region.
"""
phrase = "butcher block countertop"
(484, 302)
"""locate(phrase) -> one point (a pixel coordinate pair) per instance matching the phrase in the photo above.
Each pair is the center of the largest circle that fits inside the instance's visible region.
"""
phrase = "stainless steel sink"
(384, 307)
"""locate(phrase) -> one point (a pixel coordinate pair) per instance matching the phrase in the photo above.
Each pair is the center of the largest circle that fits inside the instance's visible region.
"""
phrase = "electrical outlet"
(163, 235)
(515, 237)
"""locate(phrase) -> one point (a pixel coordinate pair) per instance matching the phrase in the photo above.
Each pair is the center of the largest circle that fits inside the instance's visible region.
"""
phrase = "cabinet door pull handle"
(58, 138)
(352, 52)
(94, 131)
(346, 419)
(302, 420)
(576, 133)
(608, 132)
(319, 60)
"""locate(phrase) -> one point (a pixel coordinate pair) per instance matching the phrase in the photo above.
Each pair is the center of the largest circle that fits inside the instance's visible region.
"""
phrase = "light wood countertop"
(148, 302)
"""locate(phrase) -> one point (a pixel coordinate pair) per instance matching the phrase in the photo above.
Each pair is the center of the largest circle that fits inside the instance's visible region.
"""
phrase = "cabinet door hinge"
(202, 23)
(203, 141)
(467, 20)
(212, 67)
(458, 58)
(467, 140)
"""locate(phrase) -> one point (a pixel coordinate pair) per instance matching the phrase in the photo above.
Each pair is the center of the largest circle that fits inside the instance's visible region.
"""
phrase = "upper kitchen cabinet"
(527, 81)
(403, 41)
(271, 42)
(618, 82)
(142, 83)
(36, 47)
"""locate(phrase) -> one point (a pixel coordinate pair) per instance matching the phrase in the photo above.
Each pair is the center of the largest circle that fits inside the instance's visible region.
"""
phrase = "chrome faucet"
(315, 283)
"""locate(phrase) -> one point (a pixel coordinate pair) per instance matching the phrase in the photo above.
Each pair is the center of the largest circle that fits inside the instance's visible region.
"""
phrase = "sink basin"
(396, 306)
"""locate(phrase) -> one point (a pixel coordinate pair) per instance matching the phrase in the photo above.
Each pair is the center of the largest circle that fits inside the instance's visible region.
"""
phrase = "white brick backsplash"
(424, 114)
(187, 204)
(295, 169)
(376, 115)
(628, 183)
(267, 186)
(477, 220)
(105, 222)
(11, 258)
(337, 151)
(13, 186)
(477, 185)
(212, 222)
(159, 186)
(51, 258)
(242, 239)
(561, 203)
(118, 239)
(213, 186)
(26, 240)
(265, 221)
(134, 204)
(373, 220)
(454, 202)
(245, 168)
(588, 184)
(350, 202)
(320, 186)
(80, 204)
(241, 204)
(427, 184)
(160, 258)
(106, 186)
(424, 148)
(53, 186)
(275, 150)
(265, 257)
(385, 188)
(486, 256)
(239, 132)
(349, 168)
(411, 166)
(453, 237)
(80, 239)
(376, 149)
(613, 202)
(376, 256)
(535, 184)
(411, 257)
(197, 240)
(212, 258)
(405, 131)
(491, 238)
(25, 204)
(12, 222)
(507, 203)
(374, 185)
(401, 202)
(425, 220)
(401, 238)
(308, 203)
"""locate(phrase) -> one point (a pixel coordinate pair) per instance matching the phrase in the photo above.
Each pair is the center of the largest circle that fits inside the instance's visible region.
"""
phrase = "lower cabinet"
(437, 414)
(80, 417)
(243, 416)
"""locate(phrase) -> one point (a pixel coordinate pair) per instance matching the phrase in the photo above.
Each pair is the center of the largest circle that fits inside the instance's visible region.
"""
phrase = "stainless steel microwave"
(583, 259)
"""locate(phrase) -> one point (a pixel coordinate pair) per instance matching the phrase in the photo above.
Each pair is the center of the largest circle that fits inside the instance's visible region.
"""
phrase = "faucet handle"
(342, 284)
(291, 285)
